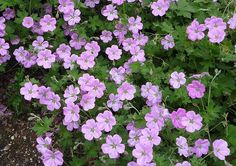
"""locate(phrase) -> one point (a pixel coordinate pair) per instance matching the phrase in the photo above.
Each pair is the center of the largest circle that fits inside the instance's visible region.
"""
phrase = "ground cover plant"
(136, 82)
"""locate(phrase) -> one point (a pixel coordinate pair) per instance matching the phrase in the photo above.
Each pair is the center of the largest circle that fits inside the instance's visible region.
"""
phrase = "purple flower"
(91, 3)
(154, 96)
(71, 93)
(154, 120)
(176, 117)
(132, 163)
(185, 163)
(71, 125)
(126, 91)
(69, 62)
(77, 42)
(28, 22)
(65, 6)
(168, 42)
(216, 35)
(220, 149)
(195, 30)
(53, 102)
(196, 89)
(134, 137)
(160, 7)
(113, 52)
(113, 146)
(15, 40)
(36, 28)
(117, 74)
(29, 91)
(105, 121)
(43, 144)
(114, 102)
(3, 47)
(90, 130)
(93, 48)
(177, 79)
(110, 12)
(150, 136)
(143, 153)
(48, 23)
(138, 54)
(84, 80)
(214, 23)
(140, 38)
(9, 13)
(201, 147)
(87, 102)
(232, 22)
(43, 94)
(106, 36)
(96, 88)
(128, 44)
(73, 17)
(45, 58)
(71, 112)
(192, 121)
(118, 2)
(64, 51)
(135, 24)
(183, 148)
(51, 158)
(86, 61)
(40, 43)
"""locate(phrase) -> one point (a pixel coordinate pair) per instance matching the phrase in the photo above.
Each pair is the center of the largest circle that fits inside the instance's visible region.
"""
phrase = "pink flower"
(140, 38)
(128, 44)
(118, 2)
(220, 149)
(64, 51)
(114, 102)
(71, 112)
(195, 31)
(91, 3)
(192, 121)
(126, 91)
(3, 47)
(160, 7)
(93, 48)
(196, 89)
(73, 17)
(69, 62)
(51, 158)
(65, 6)
(110, 12)
(106, 36)
(185, 163)
(154, 120)
(28, 22)
(183, 148)
(96, 88)
(177, 79)
(86, 61)
(53, 102)
(138, 54)
(105, 121)
(84, 81)
(135, 24)
(216, 36)
(87, 102)
(40, 43)
(43, 144)
(214, 23)
(117, 74)
(45, 58)
(150, 136)
(113, 52)
(143, 153)
(113, 146)
(232, 22)
(48, 23)
(77, 42)
(168, 42)
(176, 117)
(29, 91)
(90, 130)
(71, 93)
(201, 147)
(134, 136)
(71, 125)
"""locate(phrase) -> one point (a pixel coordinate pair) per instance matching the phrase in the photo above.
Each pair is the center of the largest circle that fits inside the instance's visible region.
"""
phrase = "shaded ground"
(17, 144)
